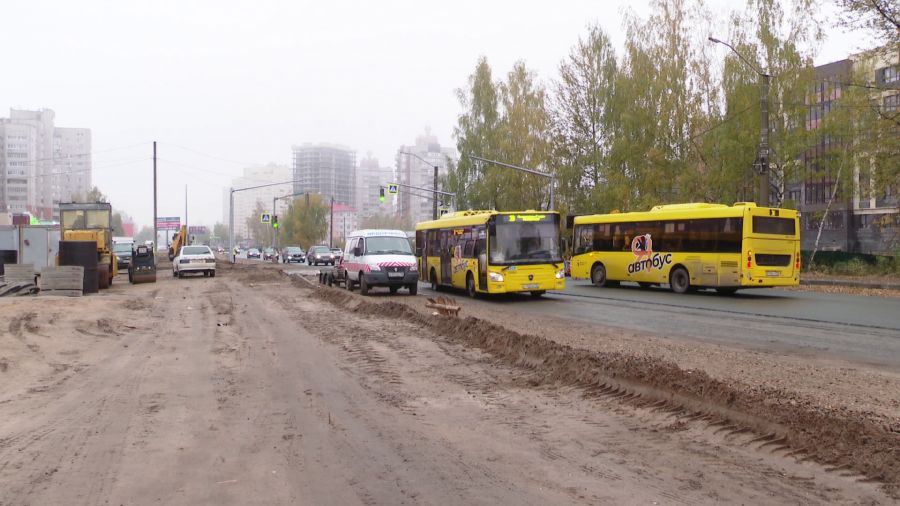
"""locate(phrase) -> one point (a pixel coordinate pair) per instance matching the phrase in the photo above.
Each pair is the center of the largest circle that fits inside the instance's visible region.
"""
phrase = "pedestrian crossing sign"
(265, 218)
(393, 189)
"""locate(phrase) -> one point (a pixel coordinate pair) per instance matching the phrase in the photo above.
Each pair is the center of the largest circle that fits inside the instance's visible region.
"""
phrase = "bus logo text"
(645, 259)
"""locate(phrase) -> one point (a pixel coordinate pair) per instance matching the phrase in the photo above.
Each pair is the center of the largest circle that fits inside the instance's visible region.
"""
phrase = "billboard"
(168, 222)
(198, 229)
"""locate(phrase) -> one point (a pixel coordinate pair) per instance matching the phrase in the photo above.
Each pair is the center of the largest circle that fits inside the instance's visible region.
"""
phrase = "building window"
(891, 103)
(890, 74)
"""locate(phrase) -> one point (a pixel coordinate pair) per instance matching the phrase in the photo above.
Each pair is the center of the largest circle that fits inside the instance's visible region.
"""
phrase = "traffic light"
(381, 194)
(274, 221)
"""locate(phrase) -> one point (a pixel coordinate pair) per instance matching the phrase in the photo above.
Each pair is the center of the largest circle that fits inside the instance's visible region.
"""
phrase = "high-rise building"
(415, 167)
(41, 164)
(245, 202)
(326, 169)
(371, 177)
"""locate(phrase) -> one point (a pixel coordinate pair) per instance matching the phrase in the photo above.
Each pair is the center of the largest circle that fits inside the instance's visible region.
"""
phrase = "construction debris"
(446, 306)
(65, 280)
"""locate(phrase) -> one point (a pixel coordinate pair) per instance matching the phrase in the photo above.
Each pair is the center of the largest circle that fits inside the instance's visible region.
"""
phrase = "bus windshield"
(524, 239)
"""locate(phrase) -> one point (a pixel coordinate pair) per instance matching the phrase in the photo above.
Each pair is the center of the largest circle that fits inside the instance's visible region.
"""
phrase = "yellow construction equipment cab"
(91, 222)
(178, 241)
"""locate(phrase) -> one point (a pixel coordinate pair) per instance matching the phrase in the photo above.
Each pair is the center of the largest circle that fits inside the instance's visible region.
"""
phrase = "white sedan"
(194, 259)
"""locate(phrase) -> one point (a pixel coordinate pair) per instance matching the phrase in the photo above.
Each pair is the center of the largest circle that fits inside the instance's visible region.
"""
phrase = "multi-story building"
(326, 169)
(345, 221)
(41, 163)
(858, 221)
(371, 177)
(245, 202)
(415, 167)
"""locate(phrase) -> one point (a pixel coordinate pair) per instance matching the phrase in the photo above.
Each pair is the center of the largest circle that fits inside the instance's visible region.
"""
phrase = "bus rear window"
(778, 226)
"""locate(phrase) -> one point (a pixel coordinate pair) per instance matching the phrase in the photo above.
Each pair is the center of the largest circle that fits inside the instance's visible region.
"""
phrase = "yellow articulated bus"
(690, 246)
(492, 252)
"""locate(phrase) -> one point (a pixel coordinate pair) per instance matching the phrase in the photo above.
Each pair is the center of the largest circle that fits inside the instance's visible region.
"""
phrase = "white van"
(380, 258)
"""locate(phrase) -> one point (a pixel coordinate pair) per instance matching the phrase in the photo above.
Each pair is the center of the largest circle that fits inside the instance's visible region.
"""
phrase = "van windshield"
(122, 247)
(387, 246)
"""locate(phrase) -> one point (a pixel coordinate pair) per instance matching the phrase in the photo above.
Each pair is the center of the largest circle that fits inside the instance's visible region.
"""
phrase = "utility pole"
(155, 231)
(231, 225)
(434, 206)
(187, 230)
(331, 224)
(762, 154)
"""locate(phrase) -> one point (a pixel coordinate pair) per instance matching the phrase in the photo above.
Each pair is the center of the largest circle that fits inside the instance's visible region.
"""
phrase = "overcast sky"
(237, 83)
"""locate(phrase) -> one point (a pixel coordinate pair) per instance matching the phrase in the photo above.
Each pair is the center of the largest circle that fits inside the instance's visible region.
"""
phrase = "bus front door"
(481, 255)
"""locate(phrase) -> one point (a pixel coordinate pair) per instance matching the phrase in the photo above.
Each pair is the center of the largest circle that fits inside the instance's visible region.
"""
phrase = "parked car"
(194, 259)
(253, 253)
(338, 254)
(380, 258)
(319, 255)
(268, 254)
(292, 254)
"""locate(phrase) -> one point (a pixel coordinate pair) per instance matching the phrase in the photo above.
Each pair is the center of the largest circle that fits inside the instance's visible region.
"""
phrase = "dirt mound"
(839, 438)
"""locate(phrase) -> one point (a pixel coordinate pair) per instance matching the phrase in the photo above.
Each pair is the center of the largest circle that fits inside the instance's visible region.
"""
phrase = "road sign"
(444, 211)
(393, 189)
(265, 218)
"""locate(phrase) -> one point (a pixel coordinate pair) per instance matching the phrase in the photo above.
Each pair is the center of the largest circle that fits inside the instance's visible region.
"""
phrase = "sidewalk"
(870, 282)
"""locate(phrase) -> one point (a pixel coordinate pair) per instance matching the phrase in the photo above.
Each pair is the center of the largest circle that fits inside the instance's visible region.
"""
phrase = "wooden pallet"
(446, 306)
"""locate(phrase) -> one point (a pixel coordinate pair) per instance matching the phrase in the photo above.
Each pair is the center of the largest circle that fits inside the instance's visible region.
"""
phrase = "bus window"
(770, 225)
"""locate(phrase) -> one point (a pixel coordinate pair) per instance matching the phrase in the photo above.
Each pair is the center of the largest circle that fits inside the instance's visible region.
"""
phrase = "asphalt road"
(854, 328)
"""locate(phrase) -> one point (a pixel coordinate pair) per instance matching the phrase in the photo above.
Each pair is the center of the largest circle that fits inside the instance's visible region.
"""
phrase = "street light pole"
(434, 207)
(762, 156)
(551, 177)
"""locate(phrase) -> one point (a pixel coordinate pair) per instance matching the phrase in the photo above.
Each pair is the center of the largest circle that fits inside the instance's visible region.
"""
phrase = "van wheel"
(470, 286)
(212, 274)
(363, 286)
(434, 281)
(598, 275)
(413, 288)
(393, 289)
(679, 280)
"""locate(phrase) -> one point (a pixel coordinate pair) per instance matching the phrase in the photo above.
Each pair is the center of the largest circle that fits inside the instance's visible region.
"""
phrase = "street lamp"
(762, 157)
(435, 202)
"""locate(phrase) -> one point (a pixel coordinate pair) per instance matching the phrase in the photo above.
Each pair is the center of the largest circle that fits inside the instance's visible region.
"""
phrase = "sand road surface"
(249, 388)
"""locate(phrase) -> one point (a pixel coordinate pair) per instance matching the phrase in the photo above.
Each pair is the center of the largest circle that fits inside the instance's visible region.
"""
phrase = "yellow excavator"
(178, 241)
(91, 222)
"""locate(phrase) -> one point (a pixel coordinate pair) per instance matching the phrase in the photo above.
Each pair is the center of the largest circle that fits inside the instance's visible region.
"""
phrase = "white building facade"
(245, 202)
(415, 167)
(42, 165)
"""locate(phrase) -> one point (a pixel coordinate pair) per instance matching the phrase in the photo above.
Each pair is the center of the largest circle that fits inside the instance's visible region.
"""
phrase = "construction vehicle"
(178, 241)
(142, 268)
(91, 222)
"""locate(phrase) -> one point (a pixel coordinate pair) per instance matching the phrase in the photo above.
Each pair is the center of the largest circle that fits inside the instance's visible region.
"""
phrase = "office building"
(245, 202)
(371, 177)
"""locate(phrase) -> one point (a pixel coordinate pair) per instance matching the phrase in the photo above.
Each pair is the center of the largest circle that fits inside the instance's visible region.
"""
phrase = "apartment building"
(415, 167)
(42, 164)
(245, 202)
(859, 220)
(371, 177)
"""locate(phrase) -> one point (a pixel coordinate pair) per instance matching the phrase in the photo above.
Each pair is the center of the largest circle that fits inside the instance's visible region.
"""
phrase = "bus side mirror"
(419, 251)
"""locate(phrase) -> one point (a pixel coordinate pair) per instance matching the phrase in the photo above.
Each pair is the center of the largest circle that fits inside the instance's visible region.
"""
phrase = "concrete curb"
(850, 283)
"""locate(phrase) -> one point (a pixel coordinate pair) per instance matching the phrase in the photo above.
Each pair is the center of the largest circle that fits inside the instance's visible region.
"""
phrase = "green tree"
(220, 232)
(144, 234)
(306, 222)
(881, 17)
(582, 118)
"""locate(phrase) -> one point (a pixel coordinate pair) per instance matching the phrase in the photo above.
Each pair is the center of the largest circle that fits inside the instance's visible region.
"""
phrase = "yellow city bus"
(690, 246)
(492, 252)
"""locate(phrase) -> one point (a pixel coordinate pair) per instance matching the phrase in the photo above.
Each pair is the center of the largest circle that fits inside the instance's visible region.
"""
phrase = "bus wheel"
(470, 286)
(434, 281)
(598, 275)
(537, 294)
(679, 280)
(726, 290)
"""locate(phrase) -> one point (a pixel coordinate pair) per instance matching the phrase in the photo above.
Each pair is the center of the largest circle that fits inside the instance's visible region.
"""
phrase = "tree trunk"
(812, 256)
